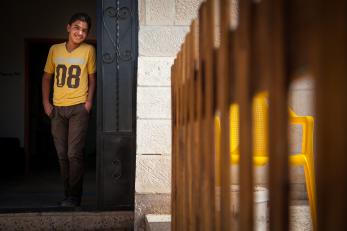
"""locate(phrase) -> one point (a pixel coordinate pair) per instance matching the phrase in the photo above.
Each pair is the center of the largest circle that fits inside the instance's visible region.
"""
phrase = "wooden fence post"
(331, 102)
(278, 124)
(243, 84)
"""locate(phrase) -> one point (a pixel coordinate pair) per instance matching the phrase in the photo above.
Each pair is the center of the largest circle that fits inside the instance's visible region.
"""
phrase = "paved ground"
(300, 218)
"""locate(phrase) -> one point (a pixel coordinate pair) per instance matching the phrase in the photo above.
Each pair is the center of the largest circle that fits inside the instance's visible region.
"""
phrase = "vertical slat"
(260, 45)
(196, 132)
(202, 171)
(184, 138)
(204, 136)
(331, 123)
(223, 78)
(209, 116)
(217, 163)
(303, 43)
(244, 99)
(278, 124)
(190, 89)
(302, 57)
(174, 176)
(177, 145)
(186, 143)
(173, 147)
(203, 214)
(188, 134)
(180, 146)
(189, 151)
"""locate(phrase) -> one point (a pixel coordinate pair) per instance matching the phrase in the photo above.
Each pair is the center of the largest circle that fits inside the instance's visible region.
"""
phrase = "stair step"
(158, 222)
(67, 221)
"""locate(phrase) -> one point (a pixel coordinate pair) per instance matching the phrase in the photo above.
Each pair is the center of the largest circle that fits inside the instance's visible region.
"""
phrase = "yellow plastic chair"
(260, 139)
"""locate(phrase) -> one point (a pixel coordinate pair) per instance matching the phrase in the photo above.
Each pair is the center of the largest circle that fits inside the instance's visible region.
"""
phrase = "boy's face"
(78, 31)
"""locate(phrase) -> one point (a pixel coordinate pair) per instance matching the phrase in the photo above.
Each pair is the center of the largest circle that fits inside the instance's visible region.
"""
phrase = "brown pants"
(69, 129)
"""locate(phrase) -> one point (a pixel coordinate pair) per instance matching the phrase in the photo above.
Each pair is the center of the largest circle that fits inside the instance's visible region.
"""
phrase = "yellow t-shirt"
(71, 72)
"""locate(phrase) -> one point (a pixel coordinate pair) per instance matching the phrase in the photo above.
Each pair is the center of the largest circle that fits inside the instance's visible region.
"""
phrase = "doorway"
(40, 187)
(31, 175)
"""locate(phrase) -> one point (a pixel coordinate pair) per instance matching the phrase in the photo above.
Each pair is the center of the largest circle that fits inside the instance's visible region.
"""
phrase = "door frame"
(112, 21)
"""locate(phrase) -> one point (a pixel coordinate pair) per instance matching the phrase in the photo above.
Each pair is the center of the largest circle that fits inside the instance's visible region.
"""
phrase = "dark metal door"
(117, 38)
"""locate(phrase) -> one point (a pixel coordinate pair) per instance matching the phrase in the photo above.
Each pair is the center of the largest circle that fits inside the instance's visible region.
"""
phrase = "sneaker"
(71, 202)
(60, 203)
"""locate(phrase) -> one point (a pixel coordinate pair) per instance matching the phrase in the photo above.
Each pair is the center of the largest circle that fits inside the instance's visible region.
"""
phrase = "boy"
(72, 64)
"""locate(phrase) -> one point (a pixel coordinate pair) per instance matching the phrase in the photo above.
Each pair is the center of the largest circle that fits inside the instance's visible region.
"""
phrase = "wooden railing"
(222, 62)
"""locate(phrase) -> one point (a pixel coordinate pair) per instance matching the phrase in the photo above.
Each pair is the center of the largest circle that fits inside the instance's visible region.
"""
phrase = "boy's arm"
(46, 86)
(91, 91)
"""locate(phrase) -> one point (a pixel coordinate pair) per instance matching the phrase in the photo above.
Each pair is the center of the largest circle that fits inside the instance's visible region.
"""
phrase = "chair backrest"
(234, 128)
(260, 125)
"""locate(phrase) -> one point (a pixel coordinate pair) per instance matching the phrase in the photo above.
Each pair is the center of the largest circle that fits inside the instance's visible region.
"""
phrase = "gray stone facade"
(163, 25)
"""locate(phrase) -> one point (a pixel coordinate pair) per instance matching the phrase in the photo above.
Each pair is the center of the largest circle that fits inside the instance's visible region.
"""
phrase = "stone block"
(153, 174)
(234, 13)
(160, 12)
(154, 102)
(297, 174)
(302, 102)
(155, 222)
(298, 191)
(295, 138)
(142, 12)
(306, 82)
(153, 136)
(150, 203)
(154, 71)
(161, 41)
(186, 10)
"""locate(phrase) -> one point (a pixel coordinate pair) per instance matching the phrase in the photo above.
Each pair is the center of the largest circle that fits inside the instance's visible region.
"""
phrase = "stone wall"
(163, 25)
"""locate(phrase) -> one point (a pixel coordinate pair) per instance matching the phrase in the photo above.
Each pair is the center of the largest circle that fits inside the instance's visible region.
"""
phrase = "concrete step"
(158, 222)
(67, 221)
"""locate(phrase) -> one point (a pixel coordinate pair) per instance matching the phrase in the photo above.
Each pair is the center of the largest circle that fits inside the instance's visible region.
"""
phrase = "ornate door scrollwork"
(117, 38)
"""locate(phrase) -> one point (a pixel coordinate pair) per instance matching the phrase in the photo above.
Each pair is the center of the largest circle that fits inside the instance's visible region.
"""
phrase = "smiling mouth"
(78, 37)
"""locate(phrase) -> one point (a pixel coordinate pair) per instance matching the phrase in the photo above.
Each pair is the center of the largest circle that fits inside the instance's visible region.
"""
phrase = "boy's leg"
(59, 129)
(78, 125)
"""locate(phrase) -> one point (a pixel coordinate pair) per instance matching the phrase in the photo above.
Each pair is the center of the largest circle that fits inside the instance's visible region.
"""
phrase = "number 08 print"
(73, 78)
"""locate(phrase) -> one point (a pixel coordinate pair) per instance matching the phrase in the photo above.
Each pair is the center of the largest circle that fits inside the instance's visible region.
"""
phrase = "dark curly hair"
(82, 17)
